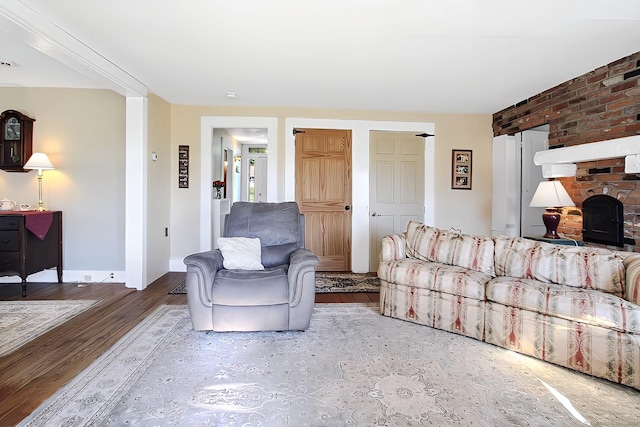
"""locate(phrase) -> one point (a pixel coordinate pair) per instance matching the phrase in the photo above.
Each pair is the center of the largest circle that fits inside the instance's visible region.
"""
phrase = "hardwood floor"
(35, 371)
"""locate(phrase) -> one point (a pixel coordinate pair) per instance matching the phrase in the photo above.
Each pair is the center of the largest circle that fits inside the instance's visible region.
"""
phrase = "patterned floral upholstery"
(439, 310)
(632, 284)
(577, 307)
(431, 244)
(445, 278)
(582, 267)
(591, 349)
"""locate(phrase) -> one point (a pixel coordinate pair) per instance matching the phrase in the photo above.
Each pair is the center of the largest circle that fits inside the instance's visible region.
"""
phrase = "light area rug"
(22, 321)
(329, 283)
(351, 367)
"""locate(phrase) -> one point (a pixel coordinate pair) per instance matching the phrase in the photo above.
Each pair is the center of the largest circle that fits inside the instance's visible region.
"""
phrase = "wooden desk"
(22, 252)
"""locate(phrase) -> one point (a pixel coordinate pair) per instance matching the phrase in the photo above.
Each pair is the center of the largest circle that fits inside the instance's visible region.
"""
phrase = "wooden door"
(396, 186)
(323, 192)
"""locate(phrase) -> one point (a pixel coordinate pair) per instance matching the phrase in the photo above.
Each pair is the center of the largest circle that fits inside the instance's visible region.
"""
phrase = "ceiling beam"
(560, 162)
(36, 30)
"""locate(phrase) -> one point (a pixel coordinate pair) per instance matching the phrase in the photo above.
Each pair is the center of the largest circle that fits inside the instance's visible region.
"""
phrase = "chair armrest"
(393, 247)
(201, 271)
(301, 262)
(632, 278)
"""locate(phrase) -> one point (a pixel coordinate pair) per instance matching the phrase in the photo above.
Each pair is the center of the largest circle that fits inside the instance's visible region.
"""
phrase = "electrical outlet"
(87, 277)
(111, 276)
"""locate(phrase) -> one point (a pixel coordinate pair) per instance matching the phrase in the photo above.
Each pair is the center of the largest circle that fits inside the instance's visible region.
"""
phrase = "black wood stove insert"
(603, 220)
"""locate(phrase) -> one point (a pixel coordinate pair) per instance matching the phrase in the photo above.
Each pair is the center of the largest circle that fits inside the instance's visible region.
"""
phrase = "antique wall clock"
(16, 140)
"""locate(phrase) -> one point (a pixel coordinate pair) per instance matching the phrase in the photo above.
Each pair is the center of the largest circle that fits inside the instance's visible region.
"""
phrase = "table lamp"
(551, 195)
(41, 162)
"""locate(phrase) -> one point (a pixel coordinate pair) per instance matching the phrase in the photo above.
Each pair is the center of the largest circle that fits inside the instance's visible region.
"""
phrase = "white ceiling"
(463, 56)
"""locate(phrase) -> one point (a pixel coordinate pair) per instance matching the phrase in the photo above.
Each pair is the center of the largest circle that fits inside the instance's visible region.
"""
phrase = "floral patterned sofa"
(578, 307)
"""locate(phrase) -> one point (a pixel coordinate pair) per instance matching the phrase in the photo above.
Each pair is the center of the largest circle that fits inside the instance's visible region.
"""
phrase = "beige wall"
(463, 209)
(468, 210)
(83, 133)
(158, 186)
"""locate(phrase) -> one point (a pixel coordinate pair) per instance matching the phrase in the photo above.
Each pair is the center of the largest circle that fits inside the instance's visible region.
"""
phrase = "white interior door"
(515, 179)
(254, 173)
(505, 208)
(531, 218)
(396, 186)
(260, 179)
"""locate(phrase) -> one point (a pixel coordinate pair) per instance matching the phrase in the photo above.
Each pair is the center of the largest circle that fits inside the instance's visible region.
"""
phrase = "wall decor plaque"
(461, 169)
(183, 166)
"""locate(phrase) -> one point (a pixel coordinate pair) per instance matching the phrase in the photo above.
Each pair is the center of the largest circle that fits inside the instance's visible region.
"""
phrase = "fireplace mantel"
(561, 162)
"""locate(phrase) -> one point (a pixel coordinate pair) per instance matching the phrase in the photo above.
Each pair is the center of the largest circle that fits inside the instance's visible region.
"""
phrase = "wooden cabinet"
(22, 252)
(16, 140)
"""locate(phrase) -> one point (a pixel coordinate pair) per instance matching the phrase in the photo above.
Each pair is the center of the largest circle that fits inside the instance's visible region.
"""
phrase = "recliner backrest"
(279, 226)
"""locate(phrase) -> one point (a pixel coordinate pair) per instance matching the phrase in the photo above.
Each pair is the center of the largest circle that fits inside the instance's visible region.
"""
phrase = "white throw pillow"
(241, 253)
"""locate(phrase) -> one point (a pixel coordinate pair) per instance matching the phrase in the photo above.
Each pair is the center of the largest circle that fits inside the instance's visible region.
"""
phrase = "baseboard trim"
(71, 276)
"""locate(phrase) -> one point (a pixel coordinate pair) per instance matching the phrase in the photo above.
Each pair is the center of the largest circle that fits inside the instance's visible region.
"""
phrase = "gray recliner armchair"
(280, 297)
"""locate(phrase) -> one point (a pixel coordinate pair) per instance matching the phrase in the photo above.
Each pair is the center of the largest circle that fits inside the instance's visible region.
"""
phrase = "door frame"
(207, 124)
(360, 129)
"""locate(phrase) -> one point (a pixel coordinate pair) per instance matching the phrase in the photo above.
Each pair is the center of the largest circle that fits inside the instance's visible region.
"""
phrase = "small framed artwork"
(183, 166)
(461, 169)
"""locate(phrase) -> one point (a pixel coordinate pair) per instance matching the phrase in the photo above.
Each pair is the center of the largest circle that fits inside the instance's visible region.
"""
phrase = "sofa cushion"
(462, 250)
(251, 288)
(436, 309)
(435, 276)
(580, 305)
(581, 267)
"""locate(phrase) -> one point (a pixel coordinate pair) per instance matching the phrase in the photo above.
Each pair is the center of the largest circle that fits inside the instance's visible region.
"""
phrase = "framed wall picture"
(461, 169)
(183, 166)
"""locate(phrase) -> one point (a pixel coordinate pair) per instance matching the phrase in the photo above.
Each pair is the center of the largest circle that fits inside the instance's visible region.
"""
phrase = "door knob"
(373, 214)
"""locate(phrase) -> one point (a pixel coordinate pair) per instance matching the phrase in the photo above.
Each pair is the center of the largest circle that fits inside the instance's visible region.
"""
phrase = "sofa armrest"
(632, 277)
(301, 263)
(394, 247)
(201, 272)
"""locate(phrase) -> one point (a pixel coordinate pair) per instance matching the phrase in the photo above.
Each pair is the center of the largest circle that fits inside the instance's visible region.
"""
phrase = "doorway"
(323, 193)
(515, 179)
(207, 125)
(396, 186)
(360, 129)
(254, 173)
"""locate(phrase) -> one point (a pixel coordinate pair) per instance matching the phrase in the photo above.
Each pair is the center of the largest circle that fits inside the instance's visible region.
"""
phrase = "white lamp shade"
(550, 194)
(38, 161)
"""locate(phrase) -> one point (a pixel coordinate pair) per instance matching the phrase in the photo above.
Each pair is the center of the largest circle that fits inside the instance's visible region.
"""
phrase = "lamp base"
(551, 220)
(41, 207)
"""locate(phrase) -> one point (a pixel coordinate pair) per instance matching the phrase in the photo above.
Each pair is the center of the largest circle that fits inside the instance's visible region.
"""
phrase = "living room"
(78, 126)
(124, 213)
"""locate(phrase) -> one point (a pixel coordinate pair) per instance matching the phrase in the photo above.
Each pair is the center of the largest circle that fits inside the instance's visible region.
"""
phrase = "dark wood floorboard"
(35, 371)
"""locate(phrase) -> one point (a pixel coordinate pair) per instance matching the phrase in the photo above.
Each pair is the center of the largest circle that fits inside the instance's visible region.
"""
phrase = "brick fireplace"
(602, 104)
(603, 177)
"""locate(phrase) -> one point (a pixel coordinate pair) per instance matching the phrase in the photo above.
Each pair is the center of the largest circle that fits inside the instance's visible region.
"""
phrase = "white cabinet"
(515, 179)
(219, 209)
